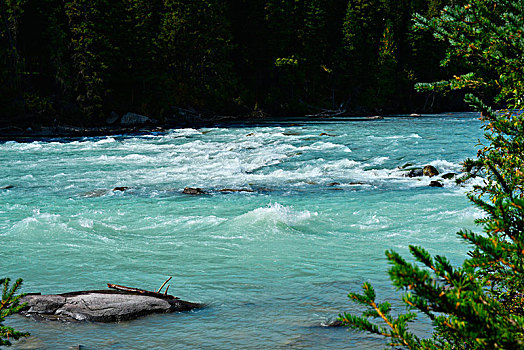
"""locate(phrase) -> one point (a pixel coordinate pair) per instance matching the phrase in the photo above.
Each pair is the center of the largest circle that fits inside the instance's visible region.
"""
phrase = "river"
(271, 265)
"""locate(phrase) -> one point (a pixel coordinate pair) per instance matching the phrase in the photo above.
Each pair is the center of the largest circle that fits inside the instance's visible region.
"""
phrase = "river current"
(272, 266)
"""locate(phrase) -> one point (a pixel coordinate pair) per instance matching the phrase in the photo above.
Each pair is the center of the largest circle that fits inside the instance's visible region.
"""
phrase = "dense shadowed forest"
(78, 61)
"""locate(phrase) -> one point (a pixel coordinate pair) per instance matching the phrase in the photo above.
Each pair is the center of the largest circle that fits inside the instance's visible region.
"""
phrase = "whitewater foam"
(278, 213)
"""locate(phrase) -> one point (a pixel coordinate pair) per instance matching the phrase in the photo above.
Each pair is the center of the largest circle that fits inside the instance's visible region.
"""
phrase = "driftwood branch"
(140, 291)
(162, 286)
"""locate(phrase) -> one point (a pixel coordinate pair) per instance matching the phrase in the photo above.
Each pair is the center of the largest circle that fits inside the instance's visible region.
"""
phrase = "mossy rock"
(430, 170)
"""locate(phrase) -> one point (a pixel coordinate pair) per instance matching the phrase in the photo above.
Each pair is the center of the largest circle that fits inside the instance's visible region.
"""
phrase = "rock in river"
(436, 184)
(430, 170)
(100, 306)
(193, 191)
(407, 165)
(415, 173)
(232, 190)
(332, 322)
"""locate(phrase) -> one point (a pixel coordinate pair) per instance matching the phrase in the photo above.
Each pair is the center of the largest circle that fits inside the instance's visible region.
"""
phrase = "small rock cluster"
(429, 171)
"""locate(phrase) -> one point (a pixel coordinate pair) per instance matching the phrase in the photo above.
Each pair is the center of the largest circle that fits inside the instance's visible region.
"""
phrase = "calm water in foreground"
(271, 265)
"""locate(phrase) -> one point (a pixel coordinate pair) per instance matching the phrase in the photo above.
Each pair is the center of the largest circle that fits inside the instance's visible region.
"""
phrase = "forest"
(78, 61)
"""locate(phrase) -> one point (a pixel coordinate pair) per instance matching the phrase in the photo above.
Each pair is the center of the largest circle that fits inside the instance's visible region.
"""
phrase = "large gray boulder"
(133, 119)
(100, 306)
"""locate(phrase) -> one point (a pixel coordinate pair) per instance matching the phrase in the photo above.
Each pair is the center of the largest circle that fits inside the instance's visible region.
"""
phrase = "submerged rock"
(415, 172)
(333, 322)
(100, 306)
(236, 190)
(430, 170)
(264, 189)
(449, 176)
(95, 193)
(6, 187)
(407, 165)
(120, 189)
(193, 191)
(77, 347)
(435, 184)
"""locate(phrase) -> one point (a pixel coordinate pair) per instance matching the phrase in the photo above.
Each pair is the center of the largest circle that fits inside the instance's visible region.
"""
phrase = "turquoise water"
(272, 265)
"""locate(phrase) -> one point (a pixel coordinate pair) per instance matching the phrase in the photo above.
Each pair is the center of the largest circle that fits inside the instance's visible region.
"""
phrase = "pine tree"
(43, 43)
(363, 27)
(93, 24)
(478, 305)
(9, 305)
(11, 62)
(196, 44)
(136, 79)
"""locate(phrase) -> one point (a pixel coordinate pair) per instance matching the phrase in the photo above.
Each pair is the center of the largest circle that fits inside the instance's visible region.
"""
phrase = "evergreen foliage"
(479, 305)
(487, 36)
(9, 305)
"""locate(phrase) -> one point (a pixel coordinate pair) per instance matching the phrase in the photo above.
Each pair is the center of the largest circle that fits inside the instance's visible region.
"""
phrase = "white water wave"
(86, 223)
(183, 132)
(379, 160)
(105, 141)
(278, 213)
(19, 146)
(446, 166)
(325, 146)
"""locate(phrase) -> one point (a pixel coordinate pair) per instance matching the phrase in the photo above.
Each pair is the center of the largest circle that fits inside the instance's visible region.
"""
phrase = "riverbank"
(144, 125)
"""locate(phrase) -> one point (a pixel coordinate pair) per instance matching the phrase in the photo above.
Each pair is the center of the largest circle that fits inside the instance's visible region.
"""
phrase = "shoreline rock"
(32, 128)
(100, 306)
(133, 119)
